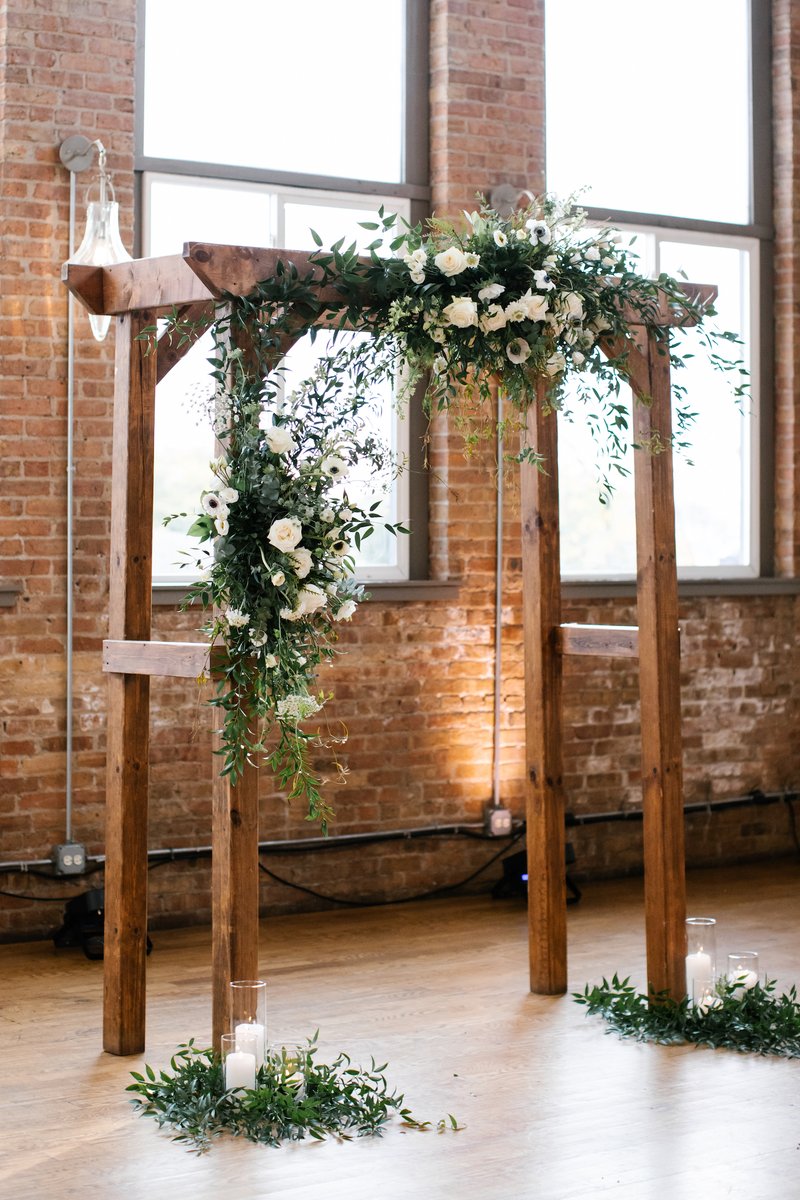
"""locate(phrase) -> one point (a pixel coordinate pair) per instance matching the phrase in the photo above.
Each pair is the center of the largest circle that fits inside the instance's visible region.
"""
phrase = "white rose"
(437, 334)
(535, 306)
(518, 350)
(417, 277)
(608, 261)
(301, 561)
(334, 466)
(309, 599)
(461, 312)
(328, 516)
(555, 364)
(345, 611)
(578, 358)
(451, 261)
(591, 254)
(278, 579)
(570, 306)
(285, 534)
(491, 291)
(494, 318)
(229, 495)
(280, 440)
(417, 259)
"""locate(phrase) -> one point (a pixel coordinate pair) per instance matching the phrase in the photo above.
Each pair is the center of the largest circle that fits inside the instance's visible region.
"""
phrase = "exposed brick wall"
(414, 685)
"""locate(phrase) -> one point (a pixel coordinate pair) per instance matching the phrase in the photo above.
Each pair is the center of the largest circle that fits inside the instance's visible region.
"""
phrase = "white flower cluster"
(297, 707)
(522, 285)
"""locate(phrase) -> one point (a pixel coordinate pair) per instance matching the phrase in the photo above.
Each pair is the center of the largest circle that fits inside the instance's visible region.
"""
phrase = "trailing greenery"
(752, 1020)
(295, 1097)
(505, 301)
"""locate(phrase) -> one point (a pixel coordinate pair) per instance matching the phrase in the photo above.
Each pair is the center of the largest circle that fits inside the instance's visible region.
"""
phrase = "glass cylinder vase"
(249, 1017)
(701, 953)
(742, 973)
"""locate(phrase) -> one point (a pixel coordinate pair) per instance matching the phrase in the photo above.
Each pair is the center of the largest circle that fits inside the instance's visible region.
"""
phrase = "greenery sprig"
(754, 1020)
(295, 1097)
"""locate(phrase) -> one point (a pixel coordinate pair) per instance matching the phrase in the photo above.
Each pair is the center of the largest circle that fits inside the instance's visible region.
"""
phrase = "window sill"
(394, 592)
(626, 588)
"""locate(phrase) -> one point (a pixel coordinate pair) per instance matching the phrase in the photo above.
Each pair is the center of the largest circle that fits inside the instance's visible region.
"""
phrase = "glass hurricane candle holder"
(701, 944)
(249, 1017)
(238, 1066)
(742, 971)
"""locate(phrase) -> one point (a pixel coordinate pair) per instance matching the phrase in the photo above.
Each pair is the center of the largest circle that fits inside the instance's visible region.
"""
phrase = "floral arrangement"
(295, 1097)
(748, 1018)
(507, 301)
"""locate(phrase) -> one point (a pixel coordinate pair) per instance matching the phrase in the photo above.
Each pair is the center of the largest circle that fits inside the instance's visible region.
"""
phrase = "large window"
(671, 141)
(264, 156)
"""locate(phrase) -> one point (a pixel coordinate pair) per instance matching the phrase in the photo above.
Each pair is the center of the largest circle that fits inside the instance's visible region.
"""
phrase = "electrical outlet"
(497, 821)
(69, 859)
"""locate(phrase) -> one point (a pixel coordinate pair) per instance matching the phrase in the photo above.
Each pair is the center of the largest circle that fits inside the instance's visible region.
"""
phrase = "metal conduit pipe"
(342, 841)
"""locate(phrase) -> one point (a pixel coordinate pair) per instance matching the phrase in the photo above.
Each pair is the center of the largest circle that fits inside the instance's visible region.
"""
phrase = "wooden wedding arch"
(135, 293)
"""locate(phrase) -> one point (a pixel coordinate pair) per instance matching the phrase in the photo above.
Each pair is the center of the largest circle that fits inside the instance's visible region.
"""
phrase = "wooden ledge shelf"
(182, 660)
(603, 641)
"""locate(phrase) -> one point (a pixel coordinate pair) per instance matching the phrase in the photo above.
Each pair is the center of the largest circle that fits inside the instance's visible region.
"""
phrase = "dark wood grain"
(541, 589)
(130, 590)
(659, 684)
(604, 641)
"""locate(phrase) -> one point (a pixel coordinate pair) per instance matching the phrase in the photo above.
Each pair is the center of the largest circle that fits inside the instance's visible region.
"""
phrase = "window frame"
(414, 188)
(759, 230)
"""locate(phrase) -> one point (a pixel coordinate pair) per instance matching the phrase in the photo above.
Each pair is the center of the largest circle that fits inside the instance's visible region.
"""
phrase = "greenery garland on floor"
(295, 1097)
(754, 1020)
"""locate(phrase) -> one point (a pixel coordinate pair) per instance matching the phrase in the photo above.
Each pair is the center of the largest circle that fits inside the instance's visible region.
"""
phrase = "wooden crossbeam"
(142, 283)
(182, 660)
(605, 641)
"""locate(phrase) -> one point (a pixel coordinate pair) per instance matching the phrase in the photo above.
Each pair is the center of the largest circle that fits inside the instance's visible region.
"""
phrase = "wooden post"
(659, 683)
(125, 934)
(541, 590)
(234, 889)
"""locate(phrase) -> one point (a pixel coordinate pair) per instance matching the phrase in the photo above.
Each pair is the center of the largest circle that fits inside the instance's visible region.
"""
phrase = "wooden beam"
(234, 889)
(667, 312)
(541, 589)
(636, 370)
(182, 660)
(129, 694)
(659, 684)
(237, 270)
(173, 347)
(604, 641)
(142, 283)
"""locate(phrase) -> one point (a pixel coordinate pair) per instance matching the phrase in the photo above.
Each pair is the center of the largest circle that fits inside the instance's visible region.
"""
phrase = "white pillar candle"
(251, 1038)
(744, 980)
(240, 1070)
(698, 971)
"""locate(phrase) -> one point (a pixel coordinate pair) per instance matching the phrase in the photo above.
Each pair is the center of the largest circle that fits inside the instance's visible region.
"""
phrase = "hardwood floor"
(554, 1108)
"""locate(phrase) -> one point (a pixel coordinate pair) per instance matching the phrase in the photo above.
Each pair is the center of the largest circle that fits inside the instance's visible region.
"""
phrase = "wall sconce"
(102, 245)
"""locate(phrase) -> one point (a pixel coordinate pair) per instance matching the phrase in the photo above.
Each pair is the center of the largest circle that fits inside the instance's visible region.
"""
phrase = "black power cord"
(427, 895)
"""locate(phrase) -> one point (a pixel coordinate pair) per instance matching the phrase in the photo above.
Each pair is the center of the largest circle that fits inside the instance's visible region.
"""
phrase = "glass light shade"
(101, 247)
